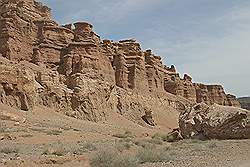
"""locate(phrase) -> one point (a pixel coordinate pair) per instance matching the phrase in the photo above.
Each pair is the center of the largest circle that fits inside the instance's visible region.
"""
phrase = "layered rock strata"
(215, 122)
(71, 69)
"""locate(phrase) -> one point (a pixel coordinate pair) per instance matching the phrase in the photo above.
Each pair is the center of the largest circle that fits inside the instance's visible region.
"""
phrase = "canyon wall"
(70, 68)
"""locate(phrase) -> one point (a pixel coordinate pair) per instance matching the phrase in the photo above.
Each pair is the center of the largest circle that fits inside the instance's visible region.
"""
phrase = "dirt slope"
(44, 138)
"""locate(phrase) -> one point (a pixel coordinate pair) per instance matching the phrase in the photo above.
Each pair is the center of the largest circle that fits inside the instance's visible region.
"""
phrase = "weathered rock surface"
(70, 69)
(215, 122)
(215, 94)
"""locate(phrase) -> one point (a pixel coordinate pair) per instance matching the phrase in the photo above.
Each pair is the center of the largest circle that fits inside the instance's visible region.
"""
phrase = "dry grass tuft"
(112, 158)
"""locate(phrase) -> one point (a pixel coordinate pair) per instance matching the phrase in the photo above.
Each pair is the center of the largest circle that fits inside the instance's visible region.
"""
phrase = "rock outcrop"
(214, 122)
(214, 94)
(18, 29)
(71, 69)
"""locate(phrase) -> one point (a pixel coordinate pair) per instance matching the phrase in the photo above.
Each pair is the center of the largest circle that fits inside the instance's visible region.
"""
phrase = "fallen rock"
(175, 135)
(215, 122)
(148, 118)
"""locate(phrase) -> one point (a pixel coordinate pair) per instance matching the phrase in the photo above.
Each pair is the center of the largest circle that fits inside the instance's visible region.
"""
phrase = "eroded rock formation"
(71, 69)
(214, 122)
(215, 94)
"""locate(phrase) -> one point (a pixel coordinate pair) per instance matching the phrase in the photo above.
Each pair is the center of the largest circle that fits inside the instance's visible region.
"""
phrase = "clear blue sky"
(208, 39)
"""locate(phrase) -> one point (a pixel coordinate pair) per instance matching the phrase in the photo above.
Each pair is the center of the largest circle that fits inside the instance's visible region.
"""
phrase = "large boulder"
(214, 122)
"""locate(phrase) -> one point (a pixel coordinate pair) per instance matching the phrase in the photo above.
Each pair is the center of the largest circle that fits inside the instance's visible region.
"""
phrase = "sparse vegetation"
(190, 141)
(127, 134)
(163, 137)
(144, 144)
(66, 128)
(57, 152)
(38, 129)
(54, 132)
(48, 132)
(112, 158)
(9, 150)
(5, 129)
(212, 144)
(154, 141)
(195, 141)
(153, 155)
(55, 149)
(124, 161)
(26, 135)
(121, 146)
(83, 148)
(2, 128)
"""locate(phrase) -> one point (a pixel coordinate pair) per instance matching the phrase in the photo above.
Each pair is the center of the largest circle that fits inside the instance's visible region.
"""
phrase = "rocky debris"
(175, 135)
(7, 137)
(215, 122)
(245, 102)
(70, 69)
(148, 118)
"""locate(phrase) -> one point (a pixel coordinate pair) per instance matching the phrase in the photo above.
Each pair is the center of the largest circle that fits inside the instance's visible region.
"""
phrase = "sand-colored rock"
(214, 94)
(215, 122)
(72, 70)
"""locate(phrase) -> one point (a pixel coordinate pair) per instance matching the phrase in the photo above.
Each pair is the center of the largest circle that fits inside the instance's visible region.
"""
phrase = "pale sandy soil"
(48, 138)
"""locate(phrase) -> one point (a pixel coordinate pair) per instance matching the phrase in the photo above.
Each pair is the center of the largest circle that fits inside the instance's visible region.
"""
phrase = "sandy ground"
(46, 138)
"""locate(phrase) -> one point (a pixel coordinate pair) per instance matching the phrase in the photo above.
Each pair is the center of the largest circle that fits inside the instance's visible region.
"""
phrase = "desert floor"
(44, 138)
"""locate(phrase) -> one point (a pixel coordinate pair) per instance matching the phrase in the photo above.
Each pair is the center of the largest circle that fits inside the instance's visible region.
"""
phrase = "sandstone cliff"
(71, 69)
